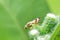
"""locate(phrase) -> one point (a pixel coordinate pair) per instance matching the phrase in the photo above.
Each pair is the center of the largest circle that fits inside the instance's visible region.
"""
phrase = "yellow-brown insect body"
(29, 24)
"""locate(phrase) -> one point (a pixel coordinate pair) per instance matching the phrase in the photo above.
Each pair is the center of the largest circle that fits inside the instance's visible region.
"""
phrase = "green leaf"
(55, 32)
(15, 13)
(54, 6)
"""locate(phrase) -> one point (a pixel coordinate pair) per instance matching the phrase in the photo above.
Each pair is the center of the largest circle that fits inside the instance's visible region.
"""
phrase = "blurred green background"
(15, 13)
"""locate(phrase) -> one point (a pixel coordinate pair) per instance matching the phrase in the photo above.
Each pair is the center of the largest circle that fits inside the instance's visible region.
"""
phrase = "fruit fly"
(29, 24)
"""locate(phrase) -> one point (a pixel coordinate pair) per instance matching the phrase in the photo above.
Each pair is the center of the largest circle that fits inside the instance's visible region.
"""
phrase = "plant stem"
(55, 31)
